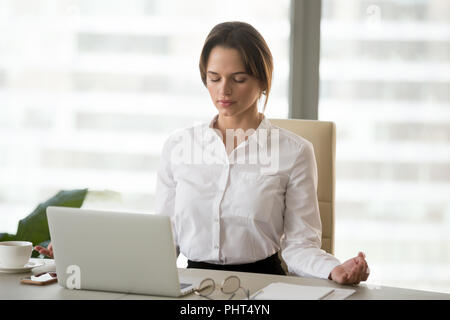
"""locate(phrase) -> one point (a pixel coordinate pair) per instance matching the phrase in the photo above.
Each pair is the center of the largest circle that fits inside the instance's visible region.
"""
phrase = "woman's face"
(232, 90)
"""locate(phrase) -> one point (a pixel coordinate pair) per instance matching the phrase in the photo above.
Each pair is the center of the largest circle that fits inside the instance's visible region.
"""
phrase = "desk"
(10, 288)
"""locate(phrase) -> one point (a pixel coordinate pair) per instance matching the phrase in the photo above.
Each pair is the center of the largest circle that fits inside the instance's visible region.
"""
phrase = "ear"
(261, 93)
(262, 89)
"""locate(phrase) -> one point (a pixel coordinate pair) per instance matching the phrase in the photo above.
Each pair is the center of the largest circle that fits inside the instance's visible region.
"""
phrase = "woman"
(227, 211)
(232, 206)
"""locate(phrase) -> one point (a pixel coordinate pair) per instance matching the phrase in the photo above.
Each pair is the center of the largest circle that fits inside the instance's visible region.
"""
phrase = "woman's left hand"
(352, 271)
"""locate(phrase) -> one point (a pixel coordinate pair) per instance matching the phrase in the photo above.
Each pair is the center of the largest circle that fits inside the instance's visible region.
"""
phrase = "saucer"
(26, 268)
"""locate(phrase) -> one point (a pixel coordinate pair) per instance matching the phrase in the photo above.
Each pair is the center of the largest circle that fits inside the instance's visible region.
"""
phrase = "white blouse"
(245, 206)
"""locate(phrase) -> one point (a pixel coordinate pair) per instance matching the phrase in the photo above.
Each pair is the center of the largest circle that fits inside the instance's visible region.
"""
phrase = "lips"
(226, 103)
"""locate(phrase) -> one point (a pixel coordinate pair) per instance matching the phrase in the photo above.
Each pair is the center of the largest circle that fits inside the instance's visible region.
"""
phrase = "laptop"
(115, 251)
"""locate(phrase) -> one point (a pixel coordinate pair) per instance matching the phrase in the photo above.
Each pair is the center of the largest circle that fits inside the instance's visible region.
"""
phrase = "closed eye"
(235, 80)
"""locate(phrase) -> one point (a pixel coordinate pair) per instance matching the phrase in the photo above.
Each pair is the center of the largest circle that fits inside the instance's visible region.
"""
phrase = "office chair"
(322, 134)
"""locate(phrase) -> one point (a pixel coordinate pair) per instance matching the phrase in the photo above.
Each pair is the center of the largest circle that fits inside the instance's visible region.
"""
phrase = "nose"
(225, 88)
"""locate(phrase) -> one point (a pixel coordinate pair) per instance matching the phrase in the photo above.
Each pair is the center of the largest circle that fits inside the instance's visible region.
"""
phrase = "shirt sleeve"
(301, 244)
(165, 190)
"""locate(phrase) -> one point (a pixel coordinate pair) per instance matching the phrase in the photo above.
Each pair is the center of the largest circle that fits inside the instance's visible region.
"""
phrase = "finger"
(38, 249)
(358, 267)
(360, 259)
(367, 272)
(362, 263)
(344, 278)
(45, 252)
(361, 275)
(352, 275)
(362, 270)
(365, 277)
(341, 276)
(357, 273)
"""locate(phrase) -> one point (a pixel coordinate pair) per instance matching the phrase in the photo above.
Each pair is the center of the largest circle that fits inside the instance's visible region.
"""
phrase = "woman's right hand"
(45, 251)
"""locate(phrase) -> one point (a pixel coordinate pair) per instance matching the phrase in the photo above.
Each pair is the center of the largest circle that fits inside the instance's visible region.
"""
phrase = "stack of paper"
(287, 291)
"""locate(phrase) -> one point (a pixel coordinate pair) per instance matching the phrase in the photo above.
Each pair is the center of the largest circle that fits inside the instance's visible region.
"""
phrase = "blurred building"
(90, 89)
(385, 81)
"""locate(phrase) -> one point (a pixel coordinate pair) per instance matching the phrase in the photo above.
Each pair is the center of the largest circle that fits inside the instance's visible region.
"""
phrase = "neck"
(250, 119)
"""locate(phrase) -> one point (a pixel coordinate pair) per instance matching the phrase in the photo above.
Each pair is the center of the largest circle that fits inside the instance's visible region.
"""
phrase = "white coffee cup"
(15, 254)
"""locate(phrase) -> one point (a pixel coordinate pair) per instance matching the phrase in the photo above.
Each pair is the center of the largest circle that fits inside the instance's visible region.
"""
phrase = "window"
(90, 90)
(385, 82)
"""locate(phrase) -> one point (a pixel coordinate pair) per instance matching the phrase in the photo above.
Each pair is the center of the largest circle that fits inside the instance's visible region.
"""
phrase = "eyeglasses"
(230, 285)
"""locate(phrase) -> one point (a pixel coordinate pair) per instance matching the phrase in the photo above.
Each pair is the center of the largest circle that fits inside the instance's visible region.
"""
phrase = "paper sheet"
(287, 291)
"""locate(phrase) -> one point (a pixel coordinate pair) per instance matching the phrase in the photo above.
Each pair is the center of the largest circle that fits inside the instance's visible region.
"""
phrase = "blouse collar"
(260, 138)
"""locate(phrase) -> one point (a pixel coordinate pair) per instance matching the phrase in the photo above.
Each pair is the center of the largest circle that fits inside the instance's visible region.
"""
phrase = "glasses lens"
(206, 287)
(231, 284)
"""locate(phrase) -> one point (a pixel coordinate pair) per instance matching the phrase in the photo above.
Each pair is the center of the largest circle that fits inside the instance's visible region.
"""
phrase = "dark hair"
(249, 43)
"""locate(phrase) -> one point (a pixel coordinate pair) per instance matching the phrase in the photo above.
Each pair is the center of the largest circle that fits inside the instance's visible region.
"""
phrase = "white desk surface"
(10, 288)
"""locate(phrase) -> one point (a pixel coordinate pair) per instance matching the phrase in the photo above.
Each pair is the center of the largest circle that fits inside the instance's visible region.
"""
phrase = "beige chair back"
(322, 134)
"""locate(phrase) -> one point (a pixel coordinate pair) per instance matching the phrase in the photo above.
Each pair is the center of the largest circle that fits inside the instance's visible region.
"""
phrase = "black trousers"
(270, 265)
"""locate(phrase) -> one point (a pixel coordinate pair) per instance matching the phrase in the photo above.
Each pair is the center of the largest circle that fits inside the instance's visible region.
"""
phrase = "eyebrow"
(234, 73)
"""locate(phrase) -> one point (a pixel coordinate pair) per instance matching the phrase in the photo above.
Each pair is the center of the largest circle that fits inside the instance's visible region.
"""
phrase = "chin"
(225, 112)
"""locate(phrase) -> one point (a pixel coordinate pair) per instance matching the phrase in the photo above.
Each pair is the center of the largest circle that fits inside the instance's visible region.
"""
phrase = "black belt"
(269, 265)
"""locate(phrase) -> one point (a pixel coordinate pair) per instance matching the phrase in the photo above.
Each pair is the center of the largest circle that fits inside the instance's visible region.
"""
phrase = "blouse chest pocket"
(256, 195)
